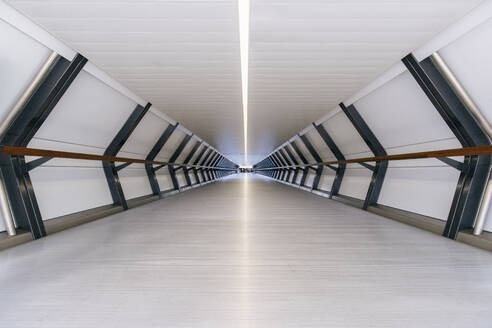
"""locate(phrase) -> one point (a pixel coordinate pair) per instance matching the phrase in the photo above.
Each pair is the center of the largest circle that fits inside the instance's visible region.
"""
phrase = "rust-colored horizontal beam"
(470, 151)
(23, 151)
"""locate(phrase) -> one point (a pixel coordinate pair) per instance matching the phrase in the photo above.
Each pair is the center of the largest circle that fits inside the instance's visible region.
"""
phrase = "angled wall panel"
(134, 179)
(404, 121)
(469, 59)
(356, 178)
(171, 145)
(144, 136)
(85, 119)
(21, 57)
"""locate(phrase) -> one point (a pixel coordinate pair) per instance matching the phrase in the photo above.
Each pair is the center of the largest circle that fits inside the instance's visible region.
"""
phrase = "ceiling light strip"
(244, 6)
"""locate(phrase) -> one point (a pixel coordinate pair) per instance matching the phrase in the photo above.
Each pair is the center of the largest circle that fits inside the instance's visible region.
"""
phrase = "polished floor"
(245, 252)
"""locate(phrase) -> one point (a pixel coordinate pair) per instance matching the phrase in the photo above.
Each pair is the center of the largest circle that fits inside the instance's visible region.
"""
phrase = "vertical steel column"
(214, 164)
(280, 172)
(207, 171)
(112, 150)
(187, 160)
(289, 162)
(373, 143)
(197, 160)
(174, 157)
(304, 161)
(149, 168)
(20, 132)
(337, 182)
(274, 171)
(282, 163)
(317, 158)
(205, 160)
(294, 160)
(460, 120)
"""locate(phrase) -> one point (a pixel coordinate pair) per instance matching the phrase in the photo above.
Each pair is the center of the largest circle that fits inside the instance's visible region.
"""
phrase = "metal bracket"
(37, 162)
(334, 168)
(122, 166)
(452, 162)
(368, 166)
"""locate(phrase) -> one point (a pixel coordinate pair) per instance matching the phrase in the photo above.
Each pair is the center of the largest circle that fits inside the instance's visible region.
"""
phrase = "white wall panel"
(164, 179)
(181, 179)
(424, 190)
(170, 146)
(197, 153)
(186, 150)
(469, 59)
(400, 114)
(302, 147)
(62, 191)
(326, 179)
(294, 153)
(346, 136)
(144, 136)
(134, 181)
(21, 59)
(309, 179)
(299, 177)
(192, 177)
(355, 181)
(89, 113)
(320, 146)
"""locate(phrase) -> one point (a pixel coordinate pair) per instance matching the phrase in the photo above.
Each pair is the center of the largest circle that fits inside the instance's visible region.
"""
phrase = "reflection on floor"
(245, 252)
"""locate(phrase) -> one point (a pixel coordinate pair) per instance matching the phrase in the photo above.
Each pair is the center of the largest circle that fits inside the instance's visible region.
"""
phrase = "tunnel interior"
(249, 162)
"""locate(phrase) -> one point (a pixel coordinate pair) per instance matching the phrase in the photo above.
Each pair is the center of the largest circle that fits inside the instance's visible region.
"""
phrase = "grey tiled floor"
(245, 252)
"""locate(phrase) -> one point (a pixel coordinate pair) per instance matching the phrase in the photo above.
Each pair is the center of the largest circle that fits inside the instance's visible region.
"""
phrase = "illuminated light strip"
(244, 6)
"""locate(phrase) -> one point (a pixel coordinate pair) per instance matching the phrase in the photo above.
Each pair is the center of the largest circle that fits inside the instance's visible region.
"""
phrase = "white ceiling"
(305, 56)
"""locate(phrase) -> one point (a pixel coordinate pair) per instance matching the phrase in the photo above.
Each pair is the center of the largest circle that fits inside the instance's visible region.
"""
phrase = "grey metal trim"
(463, 124)
(373, 143)
(27, 121)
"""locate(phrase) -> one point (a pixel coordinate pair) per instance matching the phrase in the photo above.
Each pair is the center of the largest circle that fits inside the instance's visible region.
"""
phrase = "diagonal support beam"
(304, 161)
(317, 158)
(154, 184)
(473, 178)
(187, 160)
(340, 170)
(22, 129)
(375, 146)
(174, 157)
(110, 170)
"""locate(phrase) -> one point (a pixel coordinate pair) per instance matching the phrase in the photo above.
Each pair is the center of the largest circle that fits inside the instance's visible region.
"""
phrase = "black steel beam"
(174, 157)
(110, 170)
(375, 146)
(197, 160)
(37, 162)
(294, 160)
(187, 160)
(205, 160)
(317, 158)
(281, 163)
(473, 178)
(154, 184)
(340, 170)
(20, 132)
(288, 161)
(305, 171)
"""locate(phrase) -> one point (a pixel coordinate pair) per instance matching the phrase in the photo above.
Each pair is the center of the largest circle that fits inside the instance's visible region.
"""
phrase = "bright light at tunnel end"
(244, 6)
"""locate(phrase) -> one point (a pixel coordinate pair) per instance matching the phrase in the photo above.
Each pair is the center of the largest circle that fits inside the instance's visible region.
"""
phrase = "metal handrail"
(469, 151)
(24, 151)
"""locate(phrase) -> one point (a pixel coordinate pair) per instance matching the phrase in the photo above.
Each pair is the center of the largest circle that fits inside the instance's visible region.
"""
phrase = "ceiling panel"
(307, 56)
(182, 56)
